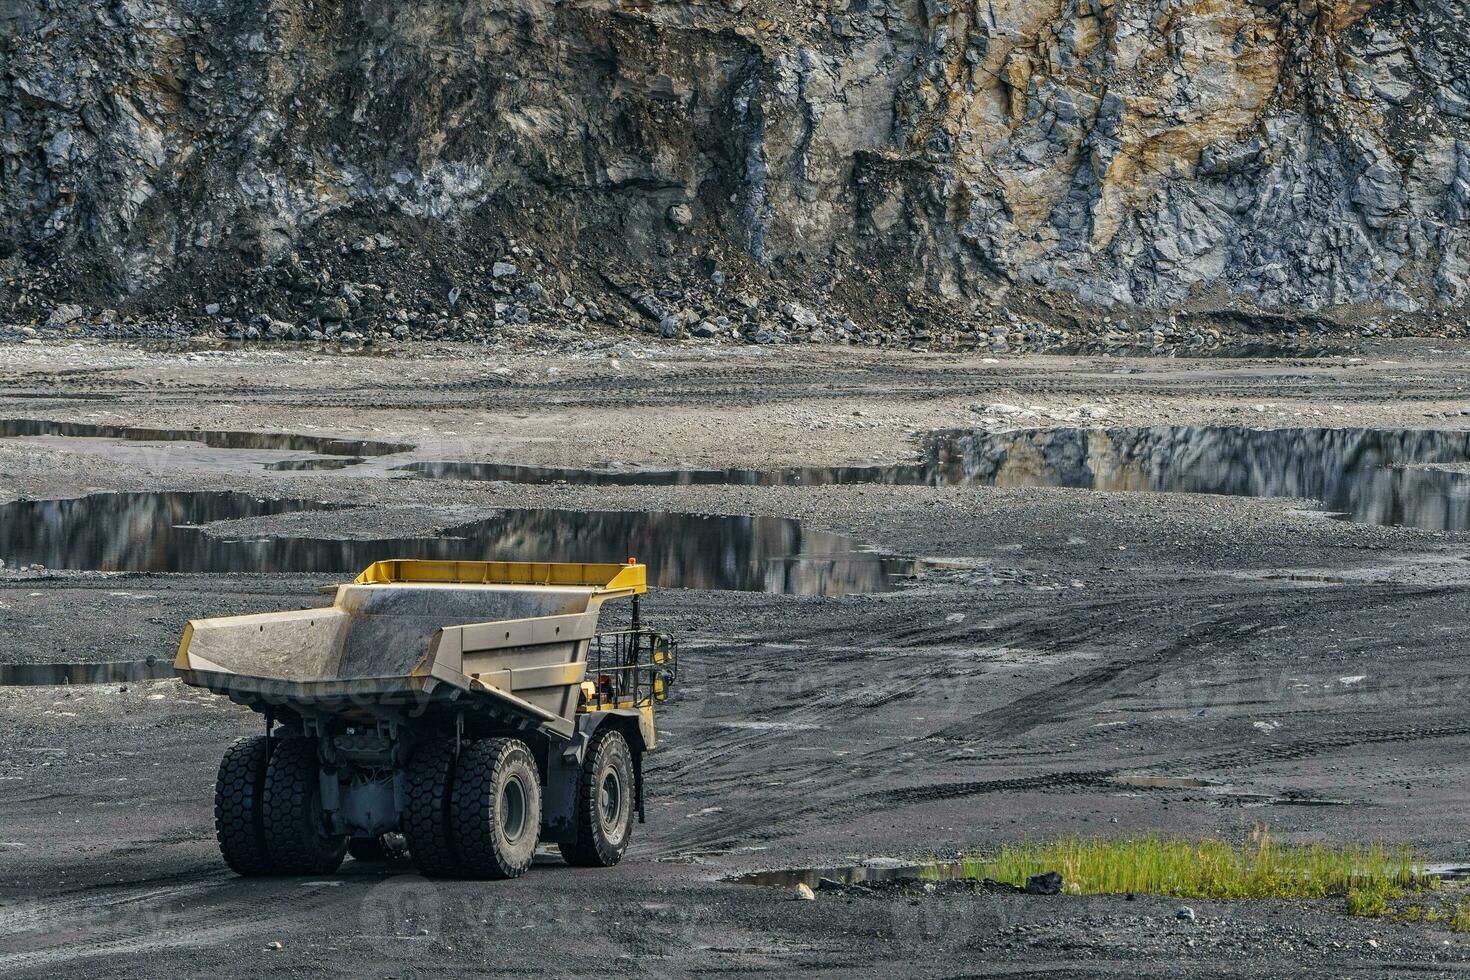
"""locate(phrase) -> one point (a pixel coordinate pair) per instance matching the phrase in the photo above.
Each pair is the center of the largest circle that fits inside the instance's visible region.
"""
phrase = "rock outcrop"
(337, 162)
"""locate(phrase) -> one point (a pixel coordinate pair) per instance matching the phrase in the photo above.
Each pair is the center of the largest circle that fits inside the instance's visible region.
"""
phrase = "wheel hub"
(513, 809)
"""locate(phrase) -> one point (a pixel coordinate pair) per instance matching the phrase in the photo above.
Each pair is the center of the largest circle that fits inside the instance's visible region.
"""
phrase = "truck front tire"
(296, 834)
(496, 809)
(605, 804)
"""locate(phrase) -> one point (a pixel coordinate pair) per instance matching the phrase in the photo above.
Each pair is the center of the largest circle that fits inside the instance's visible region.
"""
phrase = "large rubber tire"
(239, 806)
(377, 850)
(496, 811)
(426, 813)
(296, 833)
(605, 804)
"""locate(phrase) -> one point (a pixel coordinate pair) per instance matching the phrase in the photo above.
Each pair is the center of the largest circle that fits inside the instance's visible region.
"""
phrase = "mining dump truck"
(467, 711)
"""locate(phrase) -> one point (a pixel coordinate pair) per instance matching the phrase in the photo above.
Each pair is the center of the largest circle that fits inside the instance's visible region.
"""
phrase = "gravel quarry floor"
(1277, 666)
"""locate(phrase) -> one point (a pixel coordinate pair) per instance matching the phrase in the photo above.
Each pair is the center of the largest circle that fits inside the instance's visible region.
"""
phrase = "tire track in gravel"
(47, 933)
(1217, 621)
(1062, 700)
(772, 384)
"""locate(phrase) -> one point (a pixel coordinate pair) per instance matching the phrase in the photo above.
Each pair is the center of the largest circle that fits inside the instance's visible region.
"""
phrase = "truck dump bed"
(507, 639)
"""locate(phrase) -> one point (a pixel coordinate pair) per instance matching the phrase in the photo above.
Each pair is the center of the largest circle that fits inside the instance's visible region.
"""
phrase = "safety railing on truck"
(630, 668)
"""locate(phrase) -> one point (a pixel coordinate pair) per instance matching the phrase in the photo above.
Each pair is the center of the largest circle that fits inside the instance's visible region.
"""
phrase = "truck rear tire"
(239, 806)
(430, 780)
(605, 804)
(496, 810)
(296, 833)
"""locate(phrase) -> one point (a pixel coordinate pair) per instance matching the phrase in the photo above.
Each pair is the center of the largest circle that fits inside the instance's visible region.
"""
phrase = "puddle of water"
(1452, 871)
(1358, 474)
(1366, 475)
(319, 463)
(166, 532)
(852, 874)
(117, 672)
(332, 453)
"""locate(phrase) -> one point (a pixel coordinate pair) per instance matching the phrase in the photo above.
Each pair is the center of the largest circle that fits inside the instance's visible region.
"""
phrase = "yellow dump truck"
(465, 710)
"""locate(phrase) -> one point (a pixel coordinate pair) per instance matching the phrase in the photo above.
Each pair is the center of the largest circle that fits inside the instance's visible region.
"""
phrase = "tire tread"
(591, 849)
(426, 814)
(291, 788)
(481, 763)
(239, 798)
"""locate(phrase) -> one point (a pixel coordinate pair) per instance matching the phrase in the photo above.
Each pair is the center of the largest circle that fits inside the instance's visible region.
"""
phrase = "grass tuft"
(1373, 903)
(1370, 876)
(1459, 916)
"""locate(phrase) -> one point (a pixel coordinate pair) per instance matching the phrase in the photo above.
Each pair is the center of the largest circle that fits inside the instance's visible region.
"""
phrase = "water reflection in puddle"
(1366, 475)
(118, 672)
(163, 532)
(317, 463)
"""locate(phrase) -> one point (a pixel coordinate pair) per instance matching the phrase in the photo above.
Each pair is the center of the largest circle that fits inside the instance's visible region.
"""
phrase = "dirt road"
(1060, 650)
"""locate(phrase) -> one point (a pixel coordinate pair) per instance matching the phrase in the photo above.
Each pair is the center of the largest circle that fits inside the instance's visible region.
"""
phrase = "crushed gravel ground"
(1312, 671)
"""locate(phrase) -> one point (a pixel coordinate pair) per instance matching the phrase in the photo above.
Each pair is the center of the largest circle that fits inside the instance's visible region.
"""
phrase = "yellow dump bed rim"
(629, 578)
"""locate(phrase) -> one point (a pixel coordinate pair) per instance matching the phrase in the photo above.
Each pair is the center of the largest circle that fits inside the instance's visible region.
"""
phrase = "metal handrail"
(624, 665)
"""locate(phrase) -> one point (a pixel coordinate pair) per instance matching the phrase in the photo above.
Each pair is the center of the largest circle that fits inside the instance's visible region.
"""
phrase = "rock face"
(929, 156)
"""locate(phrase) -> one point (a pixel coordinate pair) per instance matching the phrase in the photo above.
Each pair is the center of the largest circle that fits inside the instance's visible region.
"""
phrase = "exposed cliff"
(913, 165)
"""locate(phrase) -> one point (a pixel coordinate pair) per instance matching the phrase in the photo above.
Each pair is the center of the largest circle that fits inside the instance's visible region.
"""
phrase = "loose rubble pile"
(968, 175)
(376, 295)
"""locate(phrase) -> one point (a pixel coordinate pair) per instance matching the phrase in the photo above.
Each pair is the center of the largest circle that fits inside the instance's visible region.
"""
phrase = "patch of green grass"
(1372, 902)
(1371, 875)
(1459, 916)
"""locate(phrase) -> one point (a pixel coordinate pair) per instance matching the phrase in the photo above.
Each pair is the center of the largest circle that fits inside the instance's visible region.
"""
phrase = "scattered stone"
(1185, 914)
(274, 945)
(680, 216)
(1046, 883)
(998, 408)
(804, 892)
(64, 314)
(502, 269)
(800, 315)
